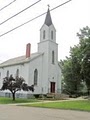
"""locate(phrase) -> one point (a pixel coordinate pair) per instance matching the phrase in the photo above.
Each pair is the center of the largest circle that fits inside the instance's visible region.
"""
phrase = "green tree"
(75, 55)
(67, 76)
(15, 84)
(84, 37)
(71, 75)
(76, 68)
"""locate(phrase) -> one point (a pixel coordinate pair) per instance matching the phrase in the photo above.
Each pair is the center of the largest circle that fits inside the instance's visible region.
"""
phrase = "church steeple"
(47, 31)
(48, 20)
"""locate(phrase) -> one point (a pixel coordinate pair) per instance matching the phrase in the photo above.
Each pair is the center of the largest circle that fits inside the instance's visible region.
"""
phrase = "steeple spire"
(48, 20)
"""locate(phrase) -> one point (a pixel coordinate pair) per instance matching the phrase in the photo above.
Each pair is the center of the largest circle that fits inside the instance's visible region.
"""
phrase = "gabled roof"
(19, 60)
(48, 20)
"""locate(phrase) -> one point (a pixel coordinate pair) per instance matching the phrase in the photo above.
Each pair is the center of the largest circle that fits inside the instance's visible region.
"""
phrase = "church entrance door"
(52, 87)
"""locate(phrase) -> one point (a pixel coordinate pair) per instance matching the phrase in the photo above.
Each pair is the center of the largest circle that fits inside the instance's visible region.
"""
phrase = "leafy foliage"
(84, 36)
(76, 68)
(15, 84)
(71, 77)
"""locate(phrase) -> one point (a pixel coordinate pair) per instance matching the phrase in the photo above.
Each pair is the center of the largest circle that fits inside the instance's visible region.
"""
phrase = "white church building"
(41, 68)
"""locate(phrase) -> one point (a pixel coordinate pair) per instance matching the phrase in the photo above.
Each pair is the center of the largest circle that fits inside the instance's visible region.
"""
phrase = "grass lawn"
(83, 105)
(4, 100)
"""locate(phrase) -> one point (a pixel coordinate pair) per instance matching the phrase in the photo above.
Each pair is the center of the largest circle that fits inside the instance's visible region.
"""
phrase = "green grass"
(83, 105)
(4, 100)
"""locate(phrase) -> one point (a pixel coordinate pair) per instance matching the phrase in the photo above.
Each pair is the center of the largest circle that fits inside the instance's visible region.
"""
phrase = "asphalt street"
(12, 112)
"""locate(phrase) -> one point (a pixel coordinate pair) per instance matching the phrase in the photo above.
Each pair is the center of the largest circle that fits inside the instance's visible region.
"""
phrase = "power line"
(33, 19)
(7, 5)
(19, 12)
(61, 5)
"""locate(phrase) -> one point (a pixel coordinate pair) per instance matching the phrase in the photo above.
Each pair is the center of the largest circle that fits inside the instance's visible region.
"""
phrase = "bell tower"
(47, 31)
(49, 48)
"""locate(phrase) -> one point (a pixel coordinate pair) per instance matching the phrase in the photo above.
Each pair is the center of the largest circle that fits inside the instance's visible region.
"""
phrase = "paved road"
(10, 112)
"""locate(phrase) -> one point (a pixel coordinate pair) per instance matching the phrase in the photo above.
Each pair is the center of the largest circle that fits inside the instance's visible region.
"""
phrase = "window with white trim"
(44, 34)
(52, 35)
(35, 76)
(53, 57)
(7, 73)
(17, 73)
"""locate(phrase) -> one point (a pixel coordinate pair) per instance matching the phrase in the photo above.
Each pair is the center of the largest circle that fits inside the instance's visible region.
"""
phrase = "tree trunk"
(13, 95)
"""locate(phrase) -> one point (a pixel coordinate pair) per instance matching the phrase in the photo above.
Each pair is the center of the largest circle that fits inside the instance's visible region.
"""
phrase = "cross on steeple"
(48, 6)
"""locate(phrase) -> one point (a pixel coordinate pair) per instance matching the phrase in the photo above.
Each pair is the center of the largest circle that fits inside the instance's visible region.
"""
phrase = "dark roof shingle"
(48, 20)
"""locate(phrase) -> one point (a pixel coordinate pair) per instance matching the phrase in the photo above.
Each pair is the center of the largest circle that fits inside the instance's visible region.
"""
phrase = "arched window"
(44, 34)
(52, 35)
(17, 73)
(7, 73)
(53, 55)
(35, 76)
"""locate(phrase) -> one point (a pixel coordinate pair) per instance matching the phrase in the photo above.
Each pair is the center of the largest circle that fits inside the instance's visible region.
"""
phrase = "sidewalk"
(47, 101)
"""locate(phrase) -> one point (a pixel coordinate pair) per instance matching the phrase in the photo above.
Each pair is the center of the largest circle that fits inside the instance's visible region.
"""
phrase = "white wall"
(36, 64)
(23, 71)
(26, 70)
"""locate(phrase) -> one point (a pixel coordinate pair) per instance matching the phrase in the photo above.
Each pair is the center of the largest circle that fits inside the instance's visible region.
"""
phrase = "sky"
(67, 19)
